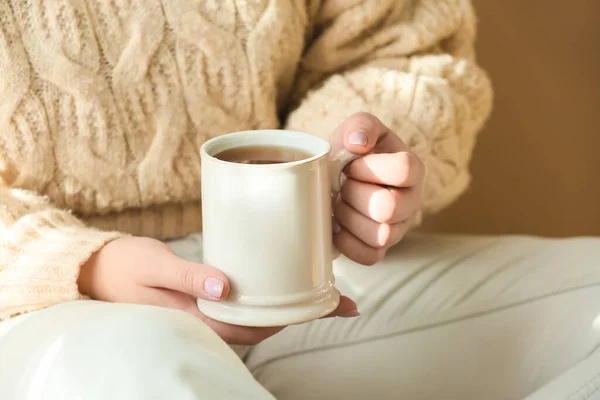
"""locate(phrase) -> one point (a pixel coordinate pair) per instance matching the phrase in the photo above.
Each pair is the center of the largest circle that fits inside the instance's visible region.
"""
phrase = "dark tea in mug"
(262, 155)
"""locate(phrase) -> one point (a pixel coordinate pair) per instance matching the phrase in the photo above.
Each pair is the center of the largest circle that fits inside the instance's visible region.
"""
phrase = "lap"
(93, 350)
(442, 317)
(447, 317)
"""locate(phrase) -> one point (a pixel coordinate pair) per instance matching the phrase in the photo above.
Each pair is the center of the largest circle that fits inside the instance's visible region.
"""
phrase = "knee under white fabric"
(98, 351)
(443, 317)
(451, 317)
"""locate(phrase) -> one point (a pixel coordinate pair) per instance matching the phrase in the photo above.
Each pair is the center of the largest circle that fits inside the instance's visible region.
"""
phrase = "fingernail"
(336, 227)
(350, 314)
(358, 138)
(214, 287)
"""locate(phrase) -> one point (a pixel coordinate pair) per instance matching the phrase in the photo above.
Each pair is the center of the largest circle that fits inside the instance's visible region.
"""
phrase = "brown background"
(536, 167)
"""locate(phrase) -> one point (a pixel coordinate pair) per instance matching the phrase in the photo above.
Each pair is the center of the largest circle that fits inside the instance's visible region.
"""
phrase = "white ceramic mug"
(268, 228)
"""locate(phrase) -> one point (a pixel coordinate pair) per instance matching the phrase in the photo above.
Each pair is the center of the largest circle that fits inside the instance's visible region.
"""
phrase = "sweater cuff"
(40, 260)
(429, 113)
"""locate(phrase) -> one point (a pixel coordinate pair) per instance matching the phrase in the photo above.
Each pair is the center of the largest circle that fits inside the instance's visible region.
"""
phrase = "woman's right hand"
(146, 271)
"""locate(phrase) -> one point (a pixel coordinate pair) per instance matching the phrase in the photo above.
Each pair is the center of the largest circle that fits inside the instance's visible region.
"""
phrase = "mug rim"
(206, 147)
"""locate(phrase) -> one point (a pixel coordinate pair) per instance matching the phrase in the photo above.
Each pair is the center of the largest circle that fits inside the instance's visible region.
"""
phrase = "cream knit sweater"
(104, 105)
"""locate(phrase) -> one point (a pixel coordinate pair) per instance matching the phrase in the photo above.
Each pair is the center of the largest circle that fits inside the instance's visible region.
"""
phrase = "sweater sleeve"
(41, 251)
(410, 63)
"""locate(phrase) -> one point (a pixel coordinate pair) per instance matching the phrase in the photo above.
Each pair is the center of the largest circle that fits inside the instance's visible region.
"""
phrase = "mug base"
(270, 316)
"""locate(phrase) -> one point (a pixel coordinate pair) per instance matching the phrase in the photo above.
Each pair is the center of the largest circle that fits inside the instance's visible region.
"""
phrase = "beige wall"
(536, 168)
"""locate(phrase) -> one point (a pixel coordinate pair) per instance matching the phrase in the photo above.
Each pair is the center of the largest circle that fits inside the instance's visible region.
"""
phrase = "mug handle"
(339, 162)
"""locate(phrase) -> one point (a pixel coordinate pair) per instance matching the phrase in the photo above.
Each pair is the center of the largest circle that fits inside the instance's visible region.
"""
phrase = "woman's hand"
(146, 271)
(382, 192)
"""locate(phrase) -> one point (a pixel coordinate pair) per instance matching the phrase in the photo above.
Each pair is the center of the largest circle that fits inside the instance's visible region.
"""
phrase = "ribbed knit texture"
(104, 105)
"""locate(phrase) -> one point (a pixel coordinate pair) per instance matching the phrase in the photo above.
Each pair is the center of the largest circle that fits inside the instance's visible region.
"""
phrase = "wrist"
(86, 273)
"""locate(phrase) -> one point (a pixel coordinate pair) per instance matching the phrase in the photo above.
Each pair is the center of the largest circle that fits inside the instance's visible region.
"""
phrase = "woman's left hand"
(382, 192)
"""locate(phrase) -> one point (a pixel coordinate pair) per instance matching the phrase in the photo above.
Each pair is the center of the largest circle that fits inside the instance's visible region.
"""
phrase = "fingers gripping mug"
(267, 214)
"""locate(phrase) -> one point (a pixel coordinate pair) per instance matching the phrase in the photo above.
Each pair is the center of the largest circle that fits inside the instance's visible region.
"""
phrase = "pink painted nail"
(358, 138)
(214, 287)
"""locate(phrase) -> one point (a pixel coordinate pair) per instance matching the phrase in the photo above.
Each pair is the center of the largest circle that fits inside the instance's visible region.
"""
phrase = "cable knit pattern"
(104, 105)
(411, 63)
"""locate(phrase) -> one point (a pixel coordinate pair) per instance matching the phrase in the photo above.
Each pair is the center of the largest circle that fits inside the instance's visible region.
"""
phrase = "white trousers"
(443, 317)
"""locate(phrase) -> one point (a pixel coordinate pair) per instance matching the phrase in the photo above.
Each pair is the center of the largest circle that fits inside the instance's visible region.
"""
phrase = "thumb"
(198, 280)
(359, 134)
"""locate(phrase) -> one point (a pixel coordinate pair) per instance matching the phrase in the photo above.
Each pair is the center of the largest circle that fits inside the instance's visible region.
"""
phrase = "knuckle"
(364, 120)
(384, 236)
(386, 202)
(405, 165)
(363, 116)
(188, 280)
(407, 160)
